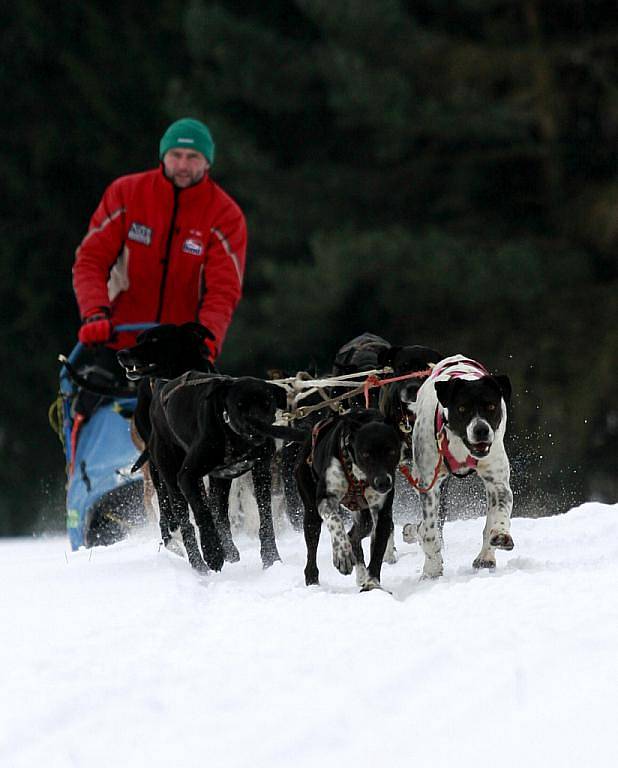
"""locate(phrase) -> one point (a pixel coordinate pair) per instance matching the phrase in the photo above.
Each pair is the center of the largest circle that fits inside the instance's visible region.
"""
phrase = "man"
(166, 245)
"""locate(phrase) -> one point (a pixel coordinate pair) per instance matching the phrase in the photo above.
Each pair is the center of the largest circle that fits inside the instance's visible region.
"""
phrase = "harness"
(452, 464)
(190, 379)
(354, 498)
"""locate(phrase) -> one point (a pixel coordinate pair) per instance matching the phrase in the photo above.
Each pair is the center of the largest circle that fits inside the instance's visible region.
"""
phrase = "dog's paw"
(232, 557)
(269, 557)
(370, 584)
(501, 540)
(200, 566)
(390, 554)
(175, 547)
(214, 556)
(433, 566)
(430, 575)
(432, 569)
(408, 533)
(484, 561)
(343, 557)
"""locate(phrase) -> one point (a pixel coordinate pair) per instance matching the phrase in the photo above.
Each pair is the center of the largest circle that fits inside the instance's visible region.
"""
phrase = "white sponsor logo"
(140, 233)
(193, 246)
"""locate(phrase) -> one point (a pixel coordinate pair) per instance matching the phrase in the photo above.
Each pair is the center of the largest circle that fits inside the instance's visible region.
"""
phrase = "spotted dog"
(459, 428)
(350, 461)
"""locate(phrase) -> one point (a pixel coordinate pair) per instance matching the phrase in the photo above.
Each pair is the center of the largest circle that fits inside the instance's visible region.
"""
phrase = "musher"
(166, 245)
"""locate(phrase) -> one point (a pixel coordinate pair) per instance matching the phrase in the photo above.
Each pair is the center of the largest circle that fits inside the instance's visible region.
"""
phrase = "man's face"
(184, 167)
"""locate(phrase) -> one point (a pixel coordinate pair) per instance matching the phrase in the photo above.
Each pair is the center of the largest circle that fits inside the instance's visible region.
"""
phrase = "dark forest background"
(442, 172)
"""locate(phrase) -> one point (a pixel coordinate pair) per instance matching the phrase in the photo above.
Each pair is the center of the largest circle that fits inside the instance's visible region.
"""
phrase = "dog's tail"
(291, 434)
(142, 459)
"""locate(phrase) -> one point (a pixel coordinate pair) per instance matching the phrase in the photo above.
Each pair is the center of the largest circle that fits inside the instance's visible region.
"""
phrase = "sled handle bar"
(125, 327)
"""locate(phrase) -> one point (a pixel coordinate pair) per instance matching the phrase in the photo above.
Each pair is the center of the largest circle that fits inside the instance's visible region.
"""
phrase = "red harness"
(453, 465)
(374, 381)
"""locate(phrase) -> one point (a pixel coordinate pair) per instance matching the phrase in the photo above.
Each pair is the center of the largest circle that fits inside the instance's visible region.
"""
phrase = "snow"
(122, 656)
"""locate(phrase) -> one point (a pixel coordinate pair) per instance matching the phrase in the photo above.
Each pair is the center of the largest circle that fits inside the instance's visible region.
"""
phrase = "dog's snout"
(481, 431)
(123, 356)
(383, 483)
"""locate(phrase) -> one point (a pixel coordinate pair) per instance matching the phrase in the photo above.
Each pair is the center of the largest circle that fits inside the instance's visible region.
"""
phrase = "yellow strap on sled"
(56, 418)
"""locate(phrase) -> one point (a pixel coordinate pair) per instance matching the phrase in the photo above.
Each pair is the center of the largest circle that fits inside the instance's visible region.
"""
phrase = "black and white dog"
(460, 425)
(220, 427)
(351, 461)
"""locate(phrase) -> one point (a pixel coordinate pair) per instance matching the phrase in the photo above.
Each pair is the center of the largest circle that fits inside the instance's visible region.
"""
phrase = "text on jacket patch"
(140, 233)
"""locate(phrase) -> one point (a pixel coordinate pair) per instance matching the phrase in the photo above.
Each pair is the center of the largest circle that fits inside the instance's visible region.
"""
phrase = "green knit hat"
(188, 133)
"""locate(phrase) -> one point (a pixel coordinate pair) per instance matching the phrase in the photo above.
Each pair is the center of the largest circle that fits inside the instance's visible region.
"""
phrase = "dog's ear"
(387, 356)
(504, 383)
(199, 330)
(445, 391)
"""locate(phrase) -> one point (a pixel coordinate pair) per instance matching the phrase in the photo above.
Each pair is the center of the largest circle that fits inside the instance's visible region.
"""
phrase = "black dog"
(362, 353)
(160, 353)
(220, 427)
(163, 352)
(355, 356)
(398, 399)
(350, 461)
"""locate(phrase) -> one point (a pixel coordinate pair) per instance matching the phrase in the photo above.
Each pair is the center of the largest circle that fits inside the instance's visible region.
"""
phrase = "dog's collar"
(454, 466)
(406, 422)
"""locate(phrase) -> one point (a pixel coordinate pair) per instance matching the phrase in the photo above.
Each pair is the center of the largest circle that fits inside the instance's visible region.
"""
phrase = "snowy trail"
(122, 656)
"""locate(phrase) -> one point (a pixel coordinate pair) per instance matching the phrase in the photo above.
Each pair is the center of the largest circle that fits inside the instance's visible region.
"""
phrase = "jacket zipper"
(166, 259)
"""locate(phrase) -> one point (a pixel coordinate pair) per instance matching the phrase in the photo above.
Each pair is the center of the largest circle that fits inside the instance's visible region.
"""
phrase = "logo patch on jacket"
(193, 246)
(140, 233)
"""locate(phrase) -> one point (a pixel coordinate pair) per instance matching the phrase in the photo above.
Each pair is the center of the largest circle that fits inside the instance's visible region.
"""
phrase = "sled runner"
(104, 500)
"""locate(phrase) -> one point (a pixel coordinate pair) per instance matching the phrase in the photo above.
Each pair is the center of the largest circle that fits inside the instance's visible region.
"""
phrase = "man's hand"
(96, 328)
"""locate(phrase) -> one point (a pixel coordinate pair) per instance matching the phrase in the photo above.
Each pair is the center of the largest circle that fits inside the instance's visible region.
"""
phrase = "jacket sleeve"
(98, 251)
(224, 268)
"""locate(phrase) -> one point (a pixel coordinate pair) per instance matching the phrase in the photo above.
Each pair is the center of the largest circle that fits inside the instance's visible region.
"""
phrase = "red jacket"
(156, 253)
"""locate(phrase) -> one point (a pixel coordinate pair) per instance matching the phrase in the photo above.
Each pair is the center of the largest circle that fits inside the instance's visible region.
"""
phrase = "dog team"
(417, 412)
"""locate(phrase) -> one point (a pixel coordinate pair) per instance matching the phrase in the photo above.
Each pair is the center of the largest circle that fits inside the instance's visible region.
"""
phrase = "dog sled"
(104, 500)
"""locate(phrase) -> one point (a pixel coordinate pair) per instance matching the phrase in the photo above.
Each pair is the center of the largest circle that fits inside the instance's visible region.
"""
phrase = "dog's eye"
(462, 408)
(491, 407)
